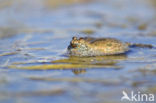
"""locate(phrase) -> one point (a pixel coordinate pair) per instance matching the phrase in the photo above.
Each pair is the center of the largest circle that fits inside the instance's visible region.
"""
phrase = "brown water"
(34, 37)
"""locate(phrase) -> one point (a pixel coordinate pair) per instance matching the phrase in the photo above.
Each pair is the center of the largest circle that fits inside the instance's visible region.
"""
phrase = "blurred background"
(19, 16)
(36, 33)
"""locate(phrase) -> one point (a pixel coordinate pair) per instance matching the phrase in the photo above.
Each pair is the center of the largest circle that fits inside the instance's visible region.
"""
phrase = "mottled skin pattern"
(96, 46)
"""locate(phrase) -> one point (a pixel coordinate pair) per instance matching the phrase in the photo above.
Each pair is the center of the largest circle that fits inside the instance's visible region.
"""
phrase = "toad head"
(76, 43)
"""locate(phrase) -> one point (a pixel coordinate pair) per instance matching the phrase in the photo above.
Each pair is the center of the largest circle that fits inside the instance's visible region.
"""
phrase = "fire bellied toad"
(88, 46)
(96, 46)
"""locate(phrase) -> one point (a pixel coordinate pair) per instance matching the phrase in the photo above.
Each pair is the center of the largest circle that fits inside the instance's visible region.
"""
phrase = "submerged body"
(96, 46)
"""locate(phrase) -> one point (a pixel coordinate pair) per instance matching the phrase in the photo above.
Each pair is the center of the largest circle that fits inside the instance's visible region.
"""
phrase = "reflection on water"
(92, 60)
(79, 71)
(76, 63)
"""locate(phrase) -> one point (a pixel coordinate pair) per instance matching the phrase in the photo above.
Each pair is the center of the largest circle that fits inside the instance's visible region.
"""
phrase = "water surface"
(34, 37)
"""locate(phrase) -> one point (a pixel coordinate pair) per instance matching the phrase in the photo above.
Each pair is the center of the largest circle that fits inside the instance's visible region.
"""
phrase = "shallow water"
(33, 64)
